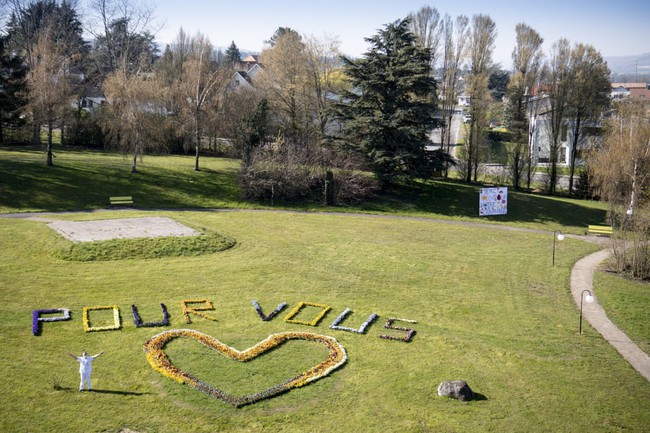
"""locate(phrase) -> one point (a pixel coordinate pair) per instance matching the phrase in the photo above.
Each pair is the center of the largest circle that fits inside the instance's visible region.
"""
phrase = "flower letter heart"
(154, 349)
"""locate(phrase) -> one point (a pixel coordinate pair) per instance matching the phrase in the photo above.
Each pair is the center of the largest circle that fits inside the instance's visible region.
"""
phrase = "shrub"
(300, 175)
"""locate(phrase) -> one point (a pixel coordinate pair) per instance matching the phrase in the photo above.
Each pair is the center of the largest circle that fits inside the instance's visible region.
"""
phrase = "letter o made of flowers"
(117, 323)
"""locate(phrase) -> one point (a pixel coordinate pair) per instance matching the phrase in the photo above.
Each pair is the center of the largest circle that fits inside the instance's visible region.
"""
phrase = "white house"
(240, 80)
(540, 134)
(249, 69)
(464, 100)
(619, 92)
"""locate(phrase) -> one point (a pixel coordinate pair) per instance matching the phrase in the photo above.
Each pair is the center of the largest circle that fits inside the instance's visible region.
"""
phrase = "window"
(563, 135)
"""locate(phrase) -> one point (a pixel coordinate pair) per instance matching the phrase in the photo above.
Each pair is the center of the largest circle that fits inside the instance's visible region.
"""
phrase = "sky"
(615, 27)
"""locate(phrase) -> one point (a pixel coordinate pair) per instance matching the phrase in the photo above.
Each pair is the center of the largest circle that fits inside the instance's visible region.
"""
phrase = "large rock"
(458, 389)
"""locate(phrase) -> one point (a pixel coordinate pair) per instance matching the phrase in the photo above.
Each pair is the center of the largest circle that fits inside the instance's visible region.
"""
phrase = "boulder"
(458, 389)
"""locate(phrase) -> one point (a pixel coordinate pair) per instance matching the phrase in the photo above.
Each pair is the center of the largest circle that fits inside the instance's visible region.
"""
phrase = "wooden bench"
(126, 200)
(600, 230)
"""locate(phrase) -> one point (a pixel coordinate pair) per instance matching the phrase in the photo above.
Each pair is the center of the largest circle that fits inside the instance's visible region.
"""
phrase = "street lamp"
(560, 237)
(589, 298)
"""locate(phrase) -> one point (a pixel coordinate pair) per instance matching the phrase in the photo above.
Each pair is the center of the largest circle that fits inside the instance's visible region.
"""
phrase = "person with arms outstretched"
(85, 368)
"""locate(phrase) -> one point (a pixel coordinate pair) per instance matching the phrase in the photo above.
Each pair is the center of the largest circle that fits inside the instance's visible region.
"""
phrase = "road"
(494, 169)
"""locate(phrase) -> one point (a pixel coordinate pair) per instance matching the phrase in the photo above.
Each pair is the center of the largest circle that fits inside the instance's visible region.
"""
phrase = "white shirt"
(85, 363)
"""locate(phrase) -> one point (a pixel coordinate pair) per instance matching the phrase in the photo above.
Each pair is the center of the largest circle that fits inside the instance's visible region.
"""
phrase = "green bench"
(125, 200)
(600, 230)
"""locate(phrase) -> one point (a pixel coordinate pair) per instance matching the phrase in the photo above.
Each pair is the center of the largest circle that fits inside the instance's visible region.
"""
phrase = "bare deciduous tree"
(526, 61)
(134, 116)
(482, 38)
(323, 70)
(588, 98)
(123, 29)
(286, 84)
(455, 35)
(199, 89)
(426, 26)
(622, 166)
(49, 89)
(621, 169)
(557, 82)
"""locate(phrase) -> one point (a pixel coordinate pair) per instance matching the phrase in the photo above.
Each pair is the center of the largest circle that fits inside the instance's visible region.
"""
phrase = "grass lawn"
(488, 307)
(85, 179)
(626, 303)
(489, 310)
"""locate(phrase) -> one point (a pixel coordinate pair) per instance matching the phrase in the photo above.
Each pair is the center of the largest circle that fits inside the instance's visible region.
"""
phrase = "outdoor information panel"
(493, 201)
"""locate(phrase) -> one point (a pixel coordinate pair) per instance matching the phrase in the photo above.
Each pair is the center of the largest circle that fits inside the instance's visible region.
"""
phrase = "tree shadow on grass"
(26, 183)
(460, 200)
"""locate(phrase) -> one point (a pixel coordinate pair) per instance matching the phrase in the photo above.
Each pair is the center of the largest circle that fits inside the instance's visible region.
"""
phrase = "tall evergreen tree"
(389, 112)
(60, 18)
(279, 32)
(122, 47)
(12, 82)
(28, 22)
(233, 56)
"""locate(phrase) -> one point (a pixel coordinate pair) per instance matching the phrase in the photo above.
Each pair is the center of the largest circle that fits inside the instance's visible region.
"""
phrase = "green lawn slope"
(485, 303)
(86, 179)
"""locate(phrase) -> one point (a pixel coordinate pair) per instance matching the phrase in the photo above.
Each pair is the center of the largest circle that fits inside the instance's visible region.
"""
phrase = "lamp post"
(560, 237)
(589, 298)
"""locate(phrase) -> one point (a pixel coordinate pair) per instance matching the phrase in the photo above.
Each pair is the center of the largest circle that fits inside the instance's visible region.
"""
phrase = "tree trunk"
(553, 173)
(470, 154)
(447, 139)
(574, 151)
(134, 162)
(62, 131)
(49, 161)
(516, 165)
(530, 166)
(635, 173)
(36, 133)
(197, 134)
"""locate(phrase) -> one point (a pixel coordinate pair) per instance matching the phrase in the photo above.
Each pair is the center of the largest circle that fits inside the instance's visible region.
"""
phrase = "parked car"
(467, 118)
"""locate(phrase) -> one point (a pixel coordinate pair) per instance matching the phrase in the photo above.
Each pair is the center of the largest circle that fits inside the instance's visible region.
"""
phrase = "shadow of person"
(111, 391)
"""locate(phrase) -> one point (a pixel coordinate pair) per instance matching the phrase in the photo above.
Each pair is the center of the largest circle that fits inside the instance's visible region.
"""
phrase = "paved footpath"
(582, 277)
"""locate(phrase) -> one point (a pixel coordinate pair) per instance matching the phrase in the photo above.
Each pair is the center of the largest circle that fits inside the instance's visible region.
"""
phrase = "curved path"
(581, 275)
(582, 279)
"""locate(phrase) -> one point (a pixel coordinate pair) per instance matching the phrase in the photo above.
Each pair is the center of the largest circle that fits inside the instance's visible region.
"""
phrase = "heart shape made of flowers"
(155, 351)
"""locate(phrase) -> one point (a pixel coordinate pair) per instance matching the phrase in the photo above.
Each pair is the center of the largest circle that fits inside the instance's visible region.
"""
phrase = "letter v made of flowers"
(273, 313)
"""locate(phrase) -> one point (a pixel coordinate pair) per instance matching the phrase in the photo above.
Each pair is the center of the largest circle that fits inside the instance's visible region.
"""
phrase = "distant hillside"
(629, 65)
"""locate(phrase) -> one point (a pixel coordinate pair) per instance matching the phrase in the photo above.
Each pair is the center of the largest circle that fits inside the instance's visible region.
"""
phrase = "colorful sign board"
(493, 201)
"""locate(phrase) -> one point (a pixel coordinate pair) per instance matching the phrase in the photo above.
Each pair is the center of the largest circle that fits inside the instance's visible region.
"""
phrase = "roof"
(244, 75)
(640, 94)
(630, 85)
(252, 58)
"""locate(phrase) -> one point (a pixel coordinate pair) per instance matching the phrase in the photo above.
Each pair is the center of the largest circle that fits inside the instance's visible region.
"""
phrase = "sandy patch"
(125, 228)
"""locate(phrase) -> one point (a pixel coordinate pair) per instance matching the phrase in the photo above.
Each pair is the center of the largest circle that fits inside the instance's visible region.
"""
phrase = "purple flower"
(37, 319)
(362, 328)
(389, 325)
(274, 313)
(138, 320)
